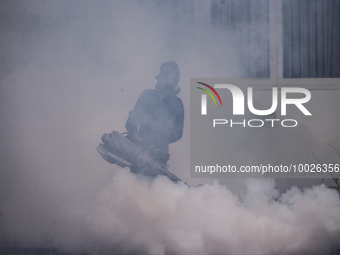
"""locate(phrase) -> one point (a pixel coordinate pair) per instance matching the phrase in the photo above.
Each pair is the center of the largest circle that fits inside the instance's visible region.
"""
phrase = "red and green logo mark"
(209, 93)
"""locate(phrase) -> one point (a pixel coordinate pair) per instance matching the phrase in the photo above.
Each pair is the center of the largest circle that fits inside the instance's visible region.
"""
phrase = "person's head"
(168, 77)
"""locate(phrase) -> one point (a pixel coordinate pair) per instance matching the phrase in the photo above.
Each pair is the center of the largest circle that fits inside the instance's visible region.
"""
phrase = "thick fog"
(71, 71)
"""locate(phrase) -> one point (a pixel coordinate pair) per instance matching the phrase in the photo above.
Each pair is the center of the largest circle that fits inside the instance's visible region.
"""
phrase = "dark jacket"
(160, 122)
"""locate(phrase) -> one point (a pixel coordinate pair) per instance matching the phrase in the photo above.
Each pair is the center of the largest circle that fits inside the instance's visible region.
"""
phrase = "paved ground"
(33, 251)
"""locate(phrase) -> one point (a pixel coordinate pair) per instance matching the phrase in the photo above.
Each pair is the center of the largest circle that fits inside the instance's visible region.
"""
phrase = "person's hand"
(136, 138)
(134, 135)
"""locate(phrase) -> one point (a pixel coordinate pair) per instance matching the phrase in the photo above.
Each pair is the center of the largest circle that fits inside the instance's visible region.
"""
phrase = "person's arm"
(136, 113)
(177, 128)
(132, 122)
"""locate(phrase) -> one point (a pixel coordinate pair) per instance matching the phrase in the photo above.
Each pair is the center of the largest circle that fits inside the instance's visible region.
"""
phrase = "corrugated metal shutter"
(311, 38)
(248, 20)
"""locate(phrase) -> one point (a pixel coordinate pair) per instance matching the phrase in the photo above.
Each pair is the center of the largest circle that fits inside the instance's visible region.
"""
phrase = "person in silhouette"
(158, 115)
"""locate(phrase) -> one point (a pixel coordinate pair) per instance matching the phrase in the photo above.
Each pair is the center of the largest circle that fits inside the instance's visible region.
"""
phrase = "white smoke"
(166, 218)
(133, 214)
(72, 71)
